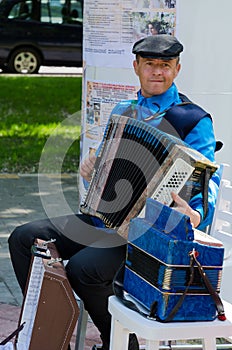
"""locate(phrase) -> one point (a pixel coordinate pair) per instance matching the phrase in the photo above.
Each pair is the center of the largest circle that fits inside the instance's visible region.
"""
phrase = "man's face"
(155, 75)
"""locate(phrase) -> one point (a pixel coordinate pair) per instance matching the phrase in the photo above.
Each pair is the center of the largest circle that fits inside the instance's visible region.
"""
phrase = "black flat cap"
(162, 46)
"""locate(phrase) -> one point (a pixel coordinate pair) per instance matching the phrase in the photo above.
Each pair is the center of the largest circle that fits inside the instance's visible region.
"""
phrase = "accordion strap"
(205, 190)
(119, 292)
(213, 293)
(12, 335)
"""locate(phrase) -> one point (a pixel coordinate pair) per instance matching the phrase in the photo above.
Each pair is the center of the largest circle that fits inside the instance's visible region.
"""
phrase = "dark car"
(40, 32)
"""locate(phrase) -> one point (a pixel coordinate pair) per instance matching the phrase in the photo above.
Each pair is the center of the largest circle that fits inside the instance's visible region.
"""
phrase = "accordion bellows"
(158, 260)
(137, 161)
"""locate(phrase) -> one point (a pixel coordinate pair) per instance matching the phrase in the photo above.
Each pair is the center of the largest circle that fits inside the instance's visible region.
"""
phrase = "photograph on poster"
(162, 4)
(153, 23)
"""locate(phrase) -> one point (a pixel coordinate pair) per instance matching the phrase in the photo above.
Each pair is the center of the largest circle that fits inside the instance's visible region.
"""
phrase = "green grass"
(39, 115)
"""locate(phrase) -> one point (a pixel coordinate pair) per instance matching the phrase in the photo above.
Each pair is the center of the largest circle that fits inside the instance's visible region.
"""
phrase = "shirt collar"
(159, 103)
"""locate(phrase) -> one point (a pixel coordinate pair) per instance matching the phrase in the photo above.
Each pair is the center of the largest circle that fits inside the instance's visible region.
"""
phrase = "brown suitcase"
(49, 311)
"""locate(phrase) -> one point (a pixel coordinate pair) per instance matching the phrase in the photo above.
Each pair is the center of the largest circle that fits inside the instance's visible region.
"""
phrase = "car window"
(73, 11)
(48, 11)
(61, 11)
(21, 10)
(51, 11)
(76, 10)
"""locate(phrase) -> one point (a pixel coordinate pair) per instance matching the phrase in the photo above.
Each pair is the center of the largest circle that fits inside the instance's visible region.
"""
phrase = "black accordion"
(137, 161)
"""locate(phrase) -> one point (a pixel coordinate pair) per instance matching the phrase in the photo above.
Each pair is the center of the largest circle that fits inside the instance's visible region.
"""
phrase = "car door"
(60, 34)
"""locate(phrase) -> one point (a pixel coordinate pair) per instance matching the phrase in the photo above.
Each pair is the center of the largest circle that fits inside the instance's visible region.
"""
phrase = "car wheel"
(24, 60)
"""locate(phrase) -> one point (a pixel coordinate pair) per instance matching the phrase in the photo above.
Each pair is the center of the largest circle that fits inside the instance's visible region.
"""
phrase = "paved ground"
(23, 199)
(45, 70)
(20, 202)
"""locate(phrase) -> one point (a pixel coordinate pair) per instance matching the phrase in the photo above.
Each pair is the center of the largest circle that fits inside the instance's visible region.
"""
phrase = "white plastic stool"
(125, 321)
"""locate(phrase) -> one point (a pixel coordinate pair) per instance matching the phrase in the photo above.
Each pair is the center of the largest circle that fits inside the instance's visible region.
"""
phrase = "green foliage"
(33, 111)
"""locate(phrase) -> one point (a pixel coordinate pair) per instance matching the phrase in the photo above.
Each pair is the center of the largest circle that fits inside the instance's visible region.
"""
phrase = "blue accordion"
(157, 269)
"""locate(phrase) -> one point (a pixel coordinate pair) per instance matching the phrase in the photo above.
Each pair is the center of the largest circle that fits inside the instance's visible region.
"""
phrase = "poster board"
(110, 30)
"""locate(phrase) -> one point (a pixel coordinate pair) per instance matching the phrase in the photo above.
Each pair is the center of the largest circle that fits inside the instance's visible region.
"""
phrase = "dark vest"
(182, 118)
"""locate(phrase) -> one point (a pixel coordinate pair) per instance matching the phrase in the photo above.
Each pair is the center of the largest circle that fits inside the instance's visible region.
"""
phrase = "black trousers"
(93, 255)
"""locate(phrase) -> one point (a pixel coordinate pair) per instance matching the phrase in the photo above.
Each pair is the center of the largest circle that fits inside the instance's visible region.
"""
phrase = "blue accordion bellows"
(158, 264)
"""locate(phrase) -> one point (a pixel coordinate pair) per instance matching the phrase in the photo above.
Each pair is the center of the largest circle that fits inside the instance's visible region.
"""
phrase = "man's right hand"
(87, 166)
(183, 207)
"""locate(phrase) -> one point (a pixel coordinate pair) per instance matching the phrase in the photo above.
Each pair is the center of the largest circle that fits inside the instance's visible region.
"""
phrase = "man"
(95, 255)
